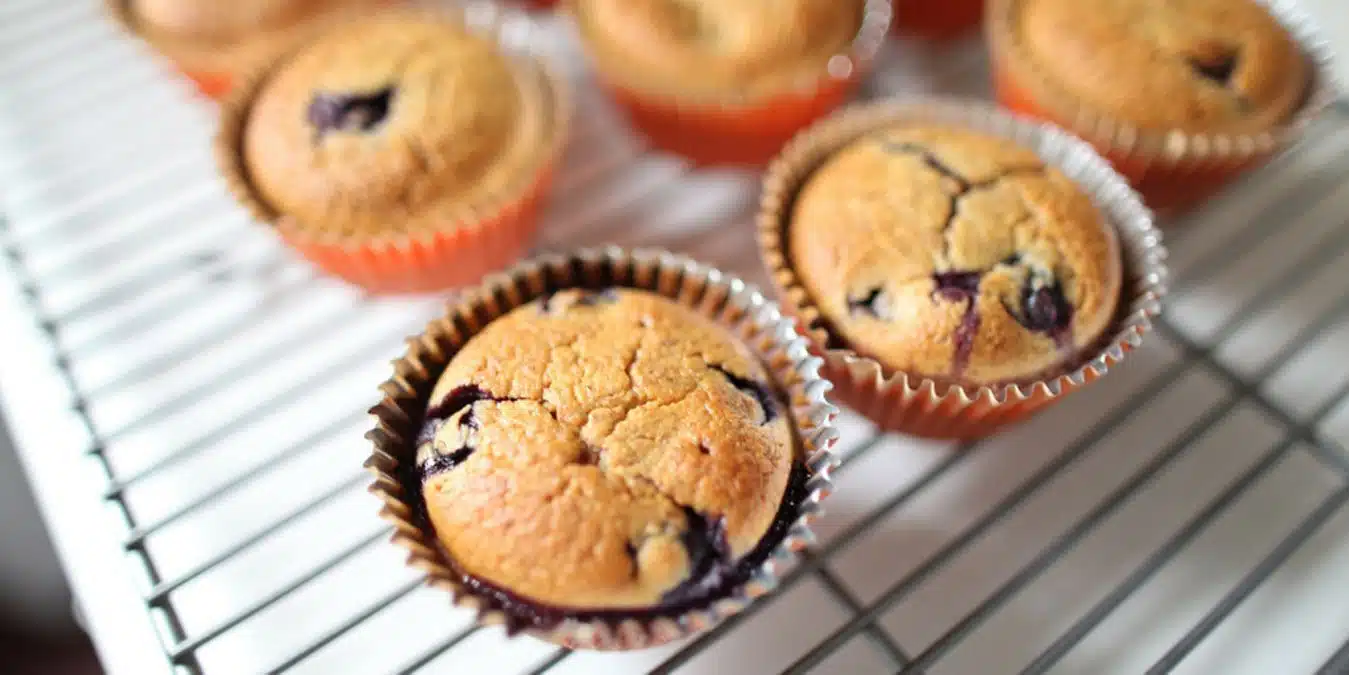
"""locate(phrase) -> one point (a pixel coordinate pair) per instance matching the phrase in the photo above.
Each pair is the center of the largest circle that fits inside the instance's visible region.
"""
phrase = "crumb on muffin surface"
(603, 450)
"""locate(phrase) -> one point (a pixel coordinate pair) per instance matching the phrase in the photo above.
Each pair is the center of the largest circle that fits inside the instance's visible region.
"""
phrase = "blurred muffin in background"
(729, 81)
(214, 41)
(403, 152)
(1180, 96)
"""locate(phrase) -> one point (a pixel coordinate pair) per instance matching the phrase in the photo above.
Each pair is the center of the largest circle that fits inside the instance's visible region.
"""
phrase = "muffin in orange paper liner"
(403, 153)
(957, 267)
(605, 450)
(937, 19)
(216, 42)
(1180, 97)
(728, 82)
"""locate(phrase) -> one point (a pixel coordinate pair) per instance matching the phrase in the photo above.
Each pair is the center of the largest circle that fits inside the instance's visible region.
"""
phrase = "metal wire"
(589, 211)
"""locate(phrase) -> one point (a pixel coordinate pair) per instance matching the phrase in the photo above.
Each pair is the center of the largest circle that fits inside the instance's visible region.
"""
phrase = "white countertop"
(1187, 511)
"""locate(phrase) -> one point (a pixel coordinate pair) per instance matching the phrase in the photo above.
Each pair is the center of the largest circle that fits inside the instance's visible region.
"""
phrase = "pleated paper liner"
(474, 239)
(1174, 170)
(937, 19)
(724, 299)
(923, 406)
(215, 70)
(735, 130)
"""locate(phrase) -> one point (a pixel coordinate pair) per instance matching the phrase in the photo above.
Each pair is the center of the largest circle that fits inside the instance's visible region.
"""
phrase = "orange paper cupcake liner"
(937, 19)
(474, 239)
(212, 85)
(721, 298)
(459, 255)
(1173, 170)
(921, 406)
(740, 132)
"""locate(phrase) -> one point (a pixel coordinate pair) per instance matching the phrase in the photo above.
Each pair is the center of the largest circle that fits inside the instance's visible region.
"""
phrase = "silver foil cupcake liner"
(895, 400)
(725, 299)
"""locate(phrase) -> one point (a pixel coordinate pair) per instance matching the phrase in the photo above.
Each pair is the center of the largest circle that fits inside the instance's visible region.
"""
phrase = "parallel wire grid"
(220, 386)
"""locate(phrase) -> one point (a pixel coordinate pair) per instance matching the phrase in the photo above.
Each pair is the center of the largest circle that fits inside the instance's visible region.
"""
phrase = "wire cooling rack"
(188, 401)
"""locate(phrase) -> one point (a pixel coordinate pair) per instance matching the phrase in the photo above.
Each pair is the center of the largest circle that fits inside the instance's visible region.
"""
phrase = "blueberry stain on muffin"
(1217, 67)
(580, 298)
(755, 390)
(957, 286)
(709, 555)
(1044, 309)
(349, 112)
(459, 403)
(871, 303)
(961, 287)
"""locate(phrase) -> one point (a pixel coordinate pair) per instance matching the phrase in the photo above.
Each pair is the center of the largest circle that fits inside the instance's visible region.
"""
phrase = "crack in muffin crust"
(954, 255)
(637, 448)
(963, 285)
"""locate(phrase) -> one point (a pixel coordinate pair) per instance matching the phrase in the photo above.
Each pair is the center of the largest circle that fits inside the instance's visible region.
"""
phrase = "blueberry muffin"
(600, 451)
(214, 41)
(693, 47)
(1197, 65)
(386, 124)
(955, 256)
(1181, 96)
(729, 81)
(399, 132)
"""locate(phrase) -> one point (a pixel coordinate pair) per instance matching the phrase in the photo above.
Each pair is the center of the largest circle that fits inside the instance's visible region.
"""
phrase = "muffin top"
(603, 450)
(718, 46)
(1193, 65)
(397, 123)
(953, 255)
(216, 20)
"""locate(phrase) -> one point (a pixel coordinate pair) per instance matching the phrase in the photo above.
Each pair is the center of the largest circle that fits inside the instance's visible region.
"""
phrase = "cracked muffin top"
(1194, 65)
(718, 46)
(953, 255)
(603, 450)
(398, 122)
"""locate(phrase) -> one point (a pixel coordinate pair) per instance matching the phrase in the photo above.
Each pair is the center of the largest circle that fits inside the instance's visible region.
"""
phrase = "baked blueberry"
(330, 112)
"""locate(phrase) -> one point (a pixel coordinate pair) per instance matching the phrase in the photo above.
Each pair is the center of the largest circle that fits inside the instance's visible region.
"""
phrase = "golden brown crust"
(458, 122)
(874, 239)
(1192, 65)
(217, 20)
(717, 46)
(225, 35)
(601, 422)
